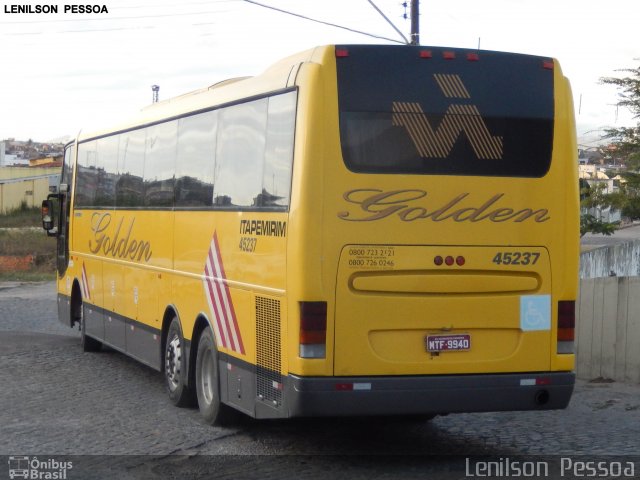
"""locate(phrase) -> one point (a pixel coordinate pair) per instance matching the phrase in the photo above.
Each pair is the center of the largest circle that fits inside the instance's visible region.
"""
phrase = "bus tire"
(89, 344)
(175, 373)
(212, 409)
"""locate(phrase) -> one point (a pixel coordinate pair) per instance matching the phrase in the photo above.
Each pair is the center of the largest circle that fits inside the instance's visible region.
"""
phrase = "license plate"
(448, 343)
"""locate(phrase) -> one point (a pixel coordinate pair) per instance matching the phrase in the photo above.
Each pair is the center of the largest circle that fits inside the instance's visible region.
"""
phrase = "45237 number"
(248, 244)
(516, 258)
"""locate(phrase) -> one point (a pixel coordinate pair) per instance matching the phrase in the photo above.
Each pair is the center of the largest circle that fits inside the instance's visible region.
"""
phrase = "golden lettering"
(377, 204)
(541, 215)
(435, 215)
(501, 215)
(115, 246)
(380, 199)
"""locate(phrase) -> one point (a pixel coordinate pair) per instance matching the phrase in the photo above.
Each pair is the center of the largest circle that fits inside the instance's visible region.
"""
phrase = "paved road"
(623, 235)
(56, 401)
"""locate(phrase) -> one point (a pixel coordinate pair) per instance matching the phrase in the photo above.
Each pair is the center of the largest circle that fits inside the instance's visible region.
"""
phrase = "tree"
(630, 191)
(624, 145)
(596, 197)
(626, 140)
(590, 224)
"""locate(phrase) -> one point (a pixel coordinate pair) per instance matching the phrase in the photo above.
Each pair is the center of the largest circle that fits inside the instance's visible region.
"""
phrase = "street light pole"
(415, 22)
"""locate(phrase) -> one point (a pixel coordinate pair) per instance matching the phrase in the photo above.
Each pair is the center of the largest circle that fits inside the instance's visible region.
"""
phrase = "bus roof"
(276, 77)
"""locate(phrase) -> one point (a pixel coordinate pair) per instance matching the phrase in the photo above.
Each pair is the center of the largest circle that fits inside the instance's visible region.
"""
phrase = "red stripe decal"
(231, 310)
(85, 283)
(220, 336)
(219, 299)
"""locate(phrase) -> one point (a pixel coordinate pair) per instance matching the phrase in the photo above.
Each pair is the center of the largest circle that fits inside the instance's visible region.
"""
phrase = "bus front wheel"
(208, 383)
(88, 344)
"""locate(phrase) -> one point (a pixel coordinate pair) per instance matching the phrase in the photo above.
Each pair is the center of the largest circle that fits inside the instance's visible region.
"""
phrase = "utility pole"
(415, 22)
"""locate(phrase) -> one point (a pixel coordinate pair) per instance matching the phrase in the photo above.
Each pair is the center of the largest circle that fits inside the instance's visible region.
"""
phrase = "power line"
(323, 22)
(140, 17)
(110, 19)
(180, 4)
(389, 21)
(98, 30)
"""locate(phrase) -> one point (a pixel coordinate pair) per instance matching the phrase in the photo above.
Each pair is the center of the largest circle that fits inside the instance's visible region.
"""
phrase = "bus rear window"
(486, 114)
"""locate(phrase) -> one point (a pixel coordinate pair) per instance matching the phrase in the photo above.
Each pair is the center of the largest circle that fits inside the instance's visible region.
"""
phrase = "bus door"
(62, 249)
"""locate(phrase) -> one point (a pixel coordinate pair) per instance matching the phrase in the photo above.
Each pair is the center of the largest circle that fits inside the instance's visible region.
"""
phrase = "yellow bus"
(359, 230)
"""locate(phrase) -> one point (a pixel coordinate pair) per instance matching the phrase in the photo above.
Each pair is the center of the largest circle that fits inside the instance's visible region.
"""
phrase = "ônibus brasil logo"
(34, 468)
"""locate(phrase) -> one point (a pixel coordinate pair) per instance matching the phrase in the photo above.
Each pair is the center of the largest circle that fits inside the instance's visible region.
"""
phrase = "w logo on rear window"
(458, 119)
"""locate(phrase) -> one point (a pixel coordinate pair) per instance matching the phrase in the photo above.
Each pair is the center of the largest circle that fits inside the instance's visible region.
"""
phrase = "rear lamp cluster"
(313, 329)
(449, 260)
(566, 326)
(342, 52)
(566, 320)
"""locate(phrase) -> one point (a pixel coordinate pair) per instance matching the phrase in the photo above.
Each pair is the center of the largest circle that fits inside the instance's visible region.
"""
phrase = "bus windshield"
(446, 113)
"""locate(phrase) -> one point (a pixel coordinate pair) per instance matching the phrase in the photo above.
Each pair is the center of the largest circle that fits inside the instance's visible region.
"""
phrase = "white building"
(595, 176)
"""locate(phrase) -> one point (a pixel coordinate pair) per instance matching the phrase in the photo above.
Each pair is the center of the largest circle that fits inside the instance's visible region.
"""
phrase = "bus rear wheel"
(212, 409)
(175, 372)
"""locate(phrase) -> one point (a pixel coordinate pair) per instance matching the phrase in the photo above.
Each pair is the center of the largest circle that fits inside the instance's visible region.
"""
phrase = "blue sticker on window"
(535, 312)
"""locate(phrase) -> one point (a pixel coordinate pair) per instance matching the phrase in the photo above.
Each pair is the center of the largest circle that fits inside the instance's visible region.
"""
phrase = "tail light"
(566, 325)
(313, 329)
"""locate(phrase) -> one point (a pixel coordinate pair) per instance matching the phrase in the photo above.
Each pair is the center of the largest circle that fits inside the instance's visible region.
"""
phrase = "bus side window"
(195, 159)
(278, 157)
(130, 186)
(160, 164)
(240, 153)
(87, 181)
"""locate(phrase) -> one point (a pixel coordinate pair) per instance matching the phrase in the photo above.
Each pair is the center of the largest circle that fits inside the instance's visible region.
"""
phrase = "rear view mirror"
(48, 218)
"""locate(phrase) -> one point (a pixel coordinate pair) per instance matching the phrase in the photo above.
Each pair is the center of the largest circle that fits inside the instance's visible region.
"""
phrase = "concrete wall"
(622, 260)
(608, 329)
(13, 173)
(29, 190)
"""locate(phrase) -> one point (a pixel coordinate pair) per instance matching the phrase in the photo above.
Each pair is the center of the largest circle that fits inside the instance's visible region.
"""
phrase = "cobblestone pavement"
(57, 400)
(627, 234)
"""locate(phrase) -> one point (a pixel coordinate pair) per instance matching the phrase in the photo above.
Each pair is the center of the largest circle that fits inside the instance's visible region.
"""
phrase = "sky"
(60, 73)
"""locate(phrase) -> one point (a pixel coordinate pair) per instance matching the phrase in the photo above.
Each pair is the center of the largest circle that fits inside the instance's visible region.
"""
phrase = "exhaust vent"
(268, 351)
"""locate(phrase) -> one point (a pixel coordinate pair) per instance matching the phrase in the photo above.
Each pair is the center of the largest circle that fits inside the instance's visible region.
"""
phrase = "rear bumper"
(337, 396)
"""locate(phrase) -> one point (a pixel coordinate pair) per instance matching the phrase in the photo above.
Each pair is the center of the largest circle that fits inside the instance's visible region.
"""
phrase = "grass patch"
(22, 217)
(29, 241)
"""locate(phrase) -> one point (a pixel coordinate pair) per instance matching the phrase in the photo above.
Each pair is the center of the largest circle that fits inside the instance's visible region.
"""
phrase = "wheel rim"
(207, 377)
(172, 362)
